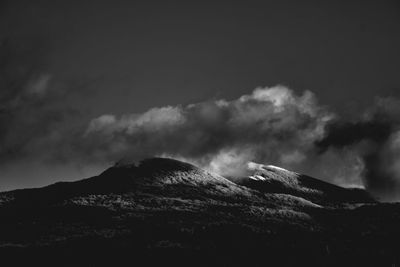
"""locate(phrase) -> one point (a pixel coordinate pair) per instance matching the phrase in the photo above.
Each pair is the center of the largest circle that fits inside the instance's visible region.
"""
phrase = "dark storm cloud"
(31, 103)
(341, 134)
(375, 138)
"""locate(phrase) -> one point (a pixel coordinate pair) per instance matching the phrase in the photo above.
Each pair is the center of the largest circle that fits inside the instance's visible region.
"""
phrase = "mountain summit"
(273, 179)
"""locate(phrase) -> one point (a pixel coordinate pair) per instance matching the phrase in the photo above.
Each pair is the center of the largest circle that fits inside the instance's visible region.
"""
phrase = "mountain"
(162, 176)
(273, 179)
(166, 212)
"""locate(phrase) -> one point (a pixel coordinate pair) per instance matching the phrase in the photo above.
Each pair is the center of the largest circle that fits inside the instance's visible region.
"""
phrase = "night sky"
(75, 61)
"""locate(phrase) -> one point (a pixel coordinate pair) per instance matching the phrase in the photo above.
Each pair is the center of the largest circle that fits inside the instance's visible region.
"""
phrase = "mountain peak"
(163, 171)
(274, 179)
(157, 163)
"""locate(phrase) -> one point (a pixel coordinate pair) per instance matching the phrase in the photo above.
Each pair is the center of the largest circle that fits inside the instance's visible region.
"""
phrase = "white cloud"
(270, 125)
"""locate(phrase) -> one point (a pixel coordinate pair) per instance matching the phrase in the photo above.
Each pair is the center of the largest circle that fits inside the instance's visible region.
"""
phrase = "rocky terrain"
(166, 212)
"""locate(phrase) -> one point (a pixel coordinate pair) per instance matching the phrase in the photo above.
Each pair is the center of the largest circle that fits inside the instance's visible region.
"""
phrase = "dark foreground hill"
(163, 212)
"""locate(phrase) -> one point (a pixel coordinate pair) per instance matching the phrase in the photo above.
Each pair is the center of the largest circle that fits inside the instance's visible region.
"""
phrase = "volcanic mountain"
(164, 211)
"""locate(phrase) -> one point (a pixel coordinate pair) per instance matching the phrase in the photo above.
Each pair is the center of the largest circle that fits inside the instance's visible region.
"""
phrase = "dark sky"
(129, 56)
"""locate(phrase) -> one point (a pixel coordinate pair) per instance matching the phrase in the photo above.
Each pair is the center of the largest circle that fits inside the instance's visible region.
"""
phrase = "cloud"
(272, 125)
(32, 109)
(39, 85)
(374, 140)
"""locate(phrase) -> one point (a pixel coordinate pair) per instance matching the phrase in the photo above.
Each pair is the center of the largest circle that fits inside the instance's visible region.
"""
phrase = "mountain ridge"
(166, 172)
